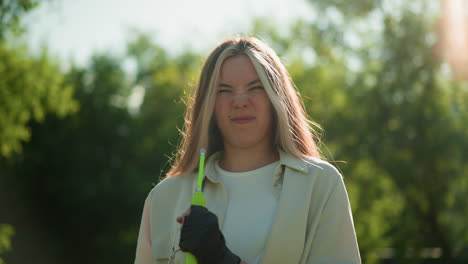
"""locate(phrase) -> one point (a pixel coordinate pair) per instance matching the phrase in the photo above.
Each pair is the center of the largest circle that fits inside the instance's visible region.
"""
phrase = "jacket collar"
(286, 159)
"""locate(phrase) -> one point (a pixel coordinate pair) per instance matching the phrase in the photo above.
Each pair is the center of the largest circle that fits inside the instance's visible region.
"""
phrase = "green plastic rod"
(198, 198)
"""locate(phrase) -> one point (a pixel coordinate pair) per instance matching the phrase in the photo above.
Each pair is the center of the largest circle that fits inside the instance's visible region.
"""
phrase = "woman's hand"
(180, 219)
(202, 237)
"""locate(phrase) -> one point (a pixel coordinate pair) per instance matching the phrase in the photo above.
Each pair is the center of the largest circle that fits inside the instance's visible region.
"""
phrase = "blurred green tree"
(11, 13)
(96, 170)
(167, 82)
(31, 87)
(6, 232)
(81, 175)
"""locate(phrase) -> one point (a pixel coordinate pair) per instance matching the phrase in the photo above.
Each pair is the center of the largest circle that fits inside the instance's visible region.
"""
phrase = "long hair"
(293, 132)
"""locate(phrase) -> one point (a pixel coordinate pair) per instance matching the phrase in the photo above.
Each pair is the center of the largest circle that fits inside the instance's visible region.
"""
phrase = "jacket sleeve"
(143, 250)
(335, 238)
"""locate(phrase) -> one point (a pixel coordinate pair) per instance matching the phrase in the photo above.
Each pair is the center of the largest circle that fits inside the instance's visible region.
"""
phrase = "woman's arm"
(143, 250)
(335, 238)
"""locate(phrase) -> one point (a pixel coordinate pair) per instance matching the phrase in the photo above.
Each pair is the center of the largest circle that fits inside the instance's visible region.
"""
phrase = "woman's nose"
(240, 100)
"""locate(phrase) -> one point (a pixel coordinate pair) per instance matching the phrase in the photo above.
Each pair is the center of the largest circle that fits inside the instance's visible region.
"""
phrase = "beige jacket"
(313, 222)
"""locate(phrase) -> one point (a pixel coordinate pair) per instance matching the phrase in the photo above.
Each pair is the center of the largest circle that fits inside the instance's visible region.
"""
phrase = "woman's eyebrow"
(253, 82)
(221, 84)
(224, 85)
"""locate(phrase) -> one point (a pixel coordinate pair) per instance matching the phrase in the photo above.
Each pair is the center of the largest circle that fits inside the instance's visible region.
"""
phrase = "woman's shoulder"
(322, 170)
(170, 186)
(315, 167)
(319, 165)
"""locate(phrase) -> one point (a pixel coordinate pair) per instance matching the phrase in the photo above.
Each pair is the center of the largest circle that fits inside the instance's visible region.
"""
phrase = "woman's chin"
(245, 143)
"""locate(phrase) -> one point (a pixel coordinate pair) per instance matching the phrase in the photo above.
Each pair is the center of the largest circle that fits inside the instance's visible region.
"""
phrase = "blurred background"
(92, 94)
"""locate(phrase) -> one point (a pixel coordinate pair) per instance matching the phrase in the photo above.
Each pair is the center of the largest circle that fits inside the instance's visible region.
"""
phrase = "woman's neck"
(241, 160)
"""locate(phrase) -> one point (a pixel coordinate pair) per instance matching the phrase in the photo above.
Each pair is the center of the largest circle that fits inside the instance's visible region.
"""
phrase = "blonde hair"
(293, 133)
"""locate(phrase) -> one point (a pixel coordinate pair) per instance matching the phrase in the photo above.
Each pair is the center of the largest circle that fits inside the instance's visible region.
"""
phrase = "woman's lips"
(243, 120)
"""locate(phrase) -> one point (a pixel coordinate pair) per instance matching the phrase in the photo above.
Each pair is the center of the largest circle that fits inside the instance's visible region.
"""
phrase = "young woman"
(270, 197)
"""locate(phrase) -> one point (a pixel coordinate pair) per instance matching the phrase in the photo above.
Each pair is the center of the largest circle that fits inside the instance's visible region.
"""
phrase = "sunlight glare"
(455, 37)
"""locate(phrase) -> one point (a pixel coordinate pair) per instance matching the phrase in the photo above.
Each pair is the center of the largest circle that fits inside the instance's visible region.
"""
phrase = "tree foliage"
(11, 12)
(30, 88)
(6, 232)
(104, 159)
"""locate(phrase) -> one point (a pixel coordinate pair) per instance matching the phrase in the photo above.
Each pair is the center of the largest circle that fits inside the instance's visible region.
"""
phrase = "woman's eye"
(256, 88)
(223, 91)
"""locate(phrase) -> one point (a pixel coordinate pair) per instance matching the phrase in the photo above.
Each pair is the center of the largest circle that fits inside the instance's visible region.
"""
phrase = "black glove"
(201, 236)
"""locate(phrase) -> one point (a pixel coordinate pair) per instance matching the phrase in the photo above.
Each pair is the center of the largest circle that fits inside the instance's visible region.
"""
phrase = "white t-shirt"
(250, 212)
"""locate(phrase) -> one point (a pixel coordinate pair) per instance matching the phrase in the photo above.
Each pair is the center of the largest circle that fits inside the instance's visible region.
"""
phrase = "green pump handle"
(197, 199)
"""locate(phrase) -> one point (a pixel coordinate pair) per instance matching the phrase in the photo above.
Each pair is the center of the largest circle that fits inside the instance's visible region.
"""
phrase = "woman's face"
(243, 111)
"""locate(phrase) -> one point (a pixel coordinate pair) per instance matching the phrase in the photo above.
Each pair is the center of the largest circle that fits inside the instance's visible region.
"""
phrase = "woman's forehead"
(237, 70)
